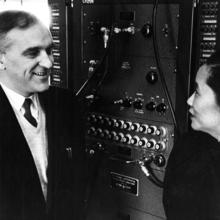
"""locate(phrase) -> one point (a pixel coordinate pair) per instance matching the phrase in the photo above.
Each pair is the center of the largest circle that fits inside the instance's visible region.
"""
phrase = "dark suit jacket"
(21, 197)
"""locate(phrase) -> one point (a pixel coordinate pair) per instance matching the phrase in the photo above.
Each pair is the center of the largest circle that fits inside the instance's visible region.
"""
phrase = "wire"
(85, 84)
(157, 58)
(148, 171)
(145, 167)
(153, 177)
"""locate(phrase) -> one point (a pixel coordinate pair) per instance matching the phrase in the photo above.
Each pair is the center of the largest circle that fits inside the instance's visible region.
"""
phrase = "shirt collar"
(17, 100)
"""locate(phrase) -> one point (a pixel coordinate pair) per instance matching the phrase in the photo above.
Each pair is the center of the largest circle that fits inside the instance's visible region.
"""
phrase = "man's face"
(28, 60)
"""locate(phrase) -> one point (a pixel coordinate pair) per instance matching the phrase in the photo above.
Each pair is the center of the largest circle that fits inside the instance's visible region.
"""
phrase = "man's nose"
(46, 60)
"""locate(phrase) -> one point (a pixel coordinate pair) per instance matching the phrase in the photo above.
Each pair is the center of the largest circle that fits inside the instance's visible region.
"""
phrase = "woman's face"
(205, 113)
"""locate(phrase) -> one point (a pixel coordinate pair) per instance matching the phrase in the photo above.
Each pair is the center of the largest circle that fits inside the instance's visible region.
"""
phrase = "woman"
(192, 179)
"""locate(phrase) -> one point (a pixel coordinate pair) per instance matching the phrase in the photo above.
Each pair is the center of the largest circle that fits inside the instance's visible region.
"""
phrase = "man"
(41, 158)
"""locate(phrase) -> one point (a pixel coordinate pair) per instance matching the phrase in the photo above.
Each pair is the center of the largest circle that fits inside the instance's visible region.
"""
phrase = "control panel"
(130, 140)
(130, 126)
(129, 61)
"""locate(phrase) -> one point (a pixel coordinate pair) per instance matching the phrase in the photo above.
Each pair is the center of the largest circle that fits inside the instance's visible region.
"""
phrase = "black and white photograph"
(109, 110)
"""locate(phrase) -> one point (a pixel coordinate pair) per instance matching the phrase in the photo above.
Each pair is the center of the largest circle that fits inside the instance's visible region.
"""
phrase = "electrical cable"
(146, 167)
(151, 175)
(157, 58)
(103, 75)
(148, 171)
(95, 71)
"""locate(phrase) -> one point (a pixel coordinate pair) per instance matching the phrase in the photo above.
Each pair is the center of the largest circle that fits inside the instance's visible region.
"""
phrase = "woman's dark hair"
(14, 19)
(213, 80)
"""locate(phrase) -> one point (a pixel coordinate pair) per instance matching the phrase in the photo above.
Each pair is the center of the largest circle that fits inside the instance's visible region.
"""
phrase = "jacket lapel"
(15, 153)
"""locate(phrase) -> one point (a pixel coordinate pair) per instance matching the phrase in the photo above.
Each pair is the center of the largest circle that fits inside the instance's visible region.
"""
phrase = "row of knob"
(142, 142)
(127, 125)
(139, 103)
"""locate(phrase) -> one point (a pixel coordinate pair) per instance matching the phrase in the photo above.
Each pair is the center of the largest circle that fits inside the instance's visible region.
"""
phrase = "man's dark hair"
(213, 80)
(14, 19)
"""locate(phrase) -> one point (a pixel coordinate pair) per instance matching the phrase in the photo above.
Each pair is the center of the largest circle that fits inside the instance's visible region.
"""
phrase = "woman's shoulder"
(194, 140)
(190, 146)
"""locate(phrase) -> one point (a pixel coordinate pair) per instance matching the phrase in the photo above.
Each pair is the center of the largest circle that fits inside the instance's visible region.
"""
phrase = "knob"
(135, 140)
(161, 131)
(159, 160)
(151, 106)
(160, 146)
(105, 35)
(130, 30)
(147, 30)
(99, 132)
(94, 28)
(112, 122)
(138, 104)
(99, 146)
(106, 121)
(143, 128)
(91, 131)
(120, 137)
(127, 102)
(117, 30)
(99, 119)
(119, 123)
(106, 134)
(127, 139)
(151, 143)
(135, 126)
(127, 125)
(152, 77)
(151, 129)
(166, 30)
(142, 142)
(92, 118)
(113, 135)
(92, 65)
(161, 108)
(90, 150)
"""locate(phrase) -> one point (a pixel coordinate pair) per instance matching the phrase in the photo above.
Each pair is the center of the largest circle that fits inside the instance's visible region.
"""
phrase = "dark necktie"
(27, 114)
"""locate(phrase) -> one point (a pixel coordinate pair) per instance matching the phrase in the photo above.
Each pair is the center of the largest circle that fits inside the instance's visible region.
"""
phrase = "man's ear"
(2, 61)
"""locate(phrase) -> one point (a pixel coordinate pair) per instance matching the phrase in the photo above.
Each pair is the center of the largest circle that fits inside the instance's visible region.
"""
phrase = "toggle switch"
(105, 35)
(159, 160)
(150, 106)
(161, 108)
(152, 77)
(147, 30)
(138, 103)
